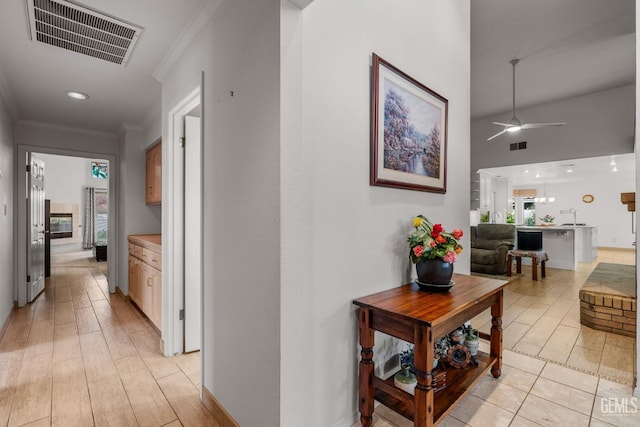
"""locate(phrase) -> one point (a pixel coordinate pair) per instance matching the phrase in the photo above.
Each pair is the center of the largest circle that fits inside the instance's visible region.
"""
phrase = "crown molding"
(5, 95)
(55, 126)
(301, 3)
(192, 29)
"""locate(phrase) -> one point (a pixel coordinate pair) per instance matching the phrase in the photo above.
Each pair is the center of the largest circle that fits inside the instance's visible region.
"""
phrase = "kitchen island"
(566, 245)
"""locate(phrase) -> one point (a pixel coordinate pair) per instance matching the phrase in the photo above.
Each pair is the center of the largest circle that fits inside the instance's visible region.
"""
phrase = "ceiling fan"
(515, 124)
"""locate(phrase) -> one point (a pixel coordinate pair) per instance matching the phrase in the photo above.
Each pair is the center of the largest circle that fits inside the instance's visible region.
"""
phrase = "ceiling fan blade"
(502, 124)
(497, 134)
(540, 125)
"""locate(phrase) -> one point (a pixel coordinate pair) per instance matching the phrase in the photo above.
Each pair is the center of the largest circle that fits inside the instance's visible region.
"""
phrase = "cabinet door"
(154, 175)
(134, 279)
(156, 310)
(146, 289)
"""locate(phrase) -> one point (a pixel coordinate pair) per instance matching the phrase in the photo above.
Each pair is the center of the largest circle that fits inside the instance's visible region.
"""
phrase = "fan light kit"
(77, 95)
(515, 124)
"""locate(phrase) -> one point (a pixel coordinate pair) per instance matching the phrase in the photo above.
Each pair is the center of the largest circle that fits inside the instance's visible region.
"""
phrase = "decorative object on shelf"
(434, 251)
(408, 131)
(407, 357)
(587, 198)
(405, 380)
(458, 356)
(457, 336)
(472, 340)
(441, 348)
(484, 216)
(547, 219)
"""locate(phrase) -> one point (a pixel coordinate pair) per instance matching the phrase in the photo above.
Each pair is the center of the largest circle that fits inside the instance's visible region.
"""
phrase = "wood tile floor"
(542, 319)
(79, 356)
(533, 392)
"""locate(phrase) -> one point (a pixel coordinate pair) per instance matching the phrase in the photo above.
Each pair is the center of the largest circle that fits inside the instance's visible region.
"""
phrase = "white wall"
(134, 216)
(598, 124)
(606, 212)
(238, 51)
(6, 214)
(341, 238)
(65, 179)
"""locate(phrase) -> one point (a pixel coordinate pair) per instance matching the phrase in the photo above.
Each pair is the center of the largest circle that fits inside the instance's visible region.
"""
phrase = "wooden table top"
(432, 307)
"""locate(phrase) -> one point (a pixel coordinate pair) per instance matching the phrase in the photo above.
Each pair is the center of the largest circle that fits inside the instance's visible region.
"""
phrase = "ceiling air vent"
(82, 30)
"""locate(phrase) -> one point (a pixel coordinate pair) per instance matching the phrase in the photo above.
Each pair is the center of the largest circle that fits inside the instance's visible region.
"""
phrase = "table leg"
(543, 268)
(534, 268)
(366, 392)
(496, 335)
(423, 361)
(518, 264)
(509, 262)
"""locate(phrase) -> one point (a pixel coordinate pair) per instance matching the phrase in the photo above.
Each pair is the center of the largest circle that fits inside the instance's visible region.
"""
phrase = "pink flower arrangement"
(431, 241)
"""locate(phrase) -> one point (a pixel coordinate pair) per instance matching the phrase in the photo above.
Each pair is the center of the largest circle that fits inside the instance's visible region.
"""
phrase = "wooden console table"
(422, 317)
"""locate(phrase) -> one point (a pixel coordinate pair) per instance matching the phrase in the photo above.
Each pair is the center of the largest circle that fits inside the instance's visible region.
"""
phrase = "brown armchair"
(489, 246)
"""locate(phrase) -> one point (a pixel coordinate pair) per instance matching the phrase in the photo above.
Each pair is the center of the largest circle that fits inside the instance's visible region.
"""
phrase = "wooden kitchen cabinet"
(145, 275)
(154, 175)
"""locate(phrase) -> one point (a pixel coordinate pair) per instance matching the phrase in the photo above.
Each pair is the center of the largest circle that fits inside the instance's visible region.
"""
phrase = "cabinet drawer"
(156, 260)
(137, 250)
(146, 255)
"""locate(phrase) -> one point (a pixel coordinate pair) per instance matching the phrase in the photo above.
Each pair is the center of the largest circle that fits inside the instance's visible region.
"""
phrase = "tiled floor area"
(79, 356)
(542, 319)
(533, 392)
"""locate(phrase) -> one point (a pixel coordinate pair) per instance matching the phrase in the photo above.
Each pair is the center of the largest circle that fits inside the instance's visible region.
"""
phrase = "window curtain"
(89, 230)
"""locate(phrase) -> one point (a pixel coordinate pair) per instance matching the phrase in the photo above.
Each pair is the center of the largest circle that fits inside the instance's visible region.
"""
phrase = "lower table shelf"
(459, 381)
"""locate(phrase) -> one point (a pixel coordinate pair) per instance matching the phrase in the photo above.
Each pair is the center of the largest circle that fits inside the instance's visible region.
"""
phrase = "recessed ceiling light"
(569, 170)
(612, 162)
(537, 175)
(77, 95)
(527, 171)
(615, 169)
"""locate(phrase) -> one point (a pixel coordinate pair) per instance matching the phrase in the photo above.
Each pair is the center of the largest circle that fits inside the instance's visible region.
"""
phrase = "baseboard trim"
(6, 322)
(219, 413)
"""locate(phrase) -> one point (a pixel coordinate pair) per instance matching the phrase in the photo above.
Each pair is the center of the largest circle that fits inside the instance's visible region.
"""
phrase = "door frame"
(173, 224)
(20, 220)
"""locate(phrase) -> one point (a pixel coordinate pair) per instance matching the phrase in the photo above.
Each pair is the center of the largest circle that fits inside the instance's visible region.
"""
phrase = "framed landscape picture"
(408, 131)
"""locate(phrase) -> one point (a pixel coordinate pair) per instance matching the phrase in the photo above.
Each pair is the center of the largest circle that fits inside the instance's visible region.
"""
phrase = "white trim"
(301, 3)
(20, 211)
(184, 40)
(54, 126)
(172, 224)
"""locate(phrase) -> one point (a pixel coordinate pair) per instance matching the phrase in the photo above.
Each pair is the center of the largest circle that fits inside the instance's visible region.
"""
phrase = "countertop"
(553, 227)
(149, 241)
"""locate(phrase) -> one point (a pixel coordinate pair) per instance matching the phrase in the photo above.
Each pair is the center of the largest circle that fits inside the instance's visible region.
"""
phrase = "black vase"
(434, 272)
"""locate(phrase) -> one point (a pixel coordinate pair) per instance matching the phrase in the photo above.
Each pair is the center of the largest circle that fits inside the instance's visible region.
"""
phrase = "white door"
(192, 234)
(35, 228)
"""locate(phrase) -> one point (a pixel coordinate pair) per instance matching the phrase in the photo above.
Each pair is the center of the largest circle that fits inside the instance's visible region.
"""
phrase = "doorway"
(73, 214)
(182, 226)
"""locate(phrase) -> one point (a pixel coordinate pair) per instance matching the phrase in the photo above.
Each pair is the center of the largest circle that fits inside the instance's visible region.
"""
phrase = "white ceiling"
(567, 47)
(556, 172)
(34, 77)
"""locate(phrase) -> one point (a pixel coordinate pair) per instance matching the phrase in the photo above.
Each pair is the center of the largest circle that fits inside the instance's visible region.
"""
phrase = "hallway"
(79, 356)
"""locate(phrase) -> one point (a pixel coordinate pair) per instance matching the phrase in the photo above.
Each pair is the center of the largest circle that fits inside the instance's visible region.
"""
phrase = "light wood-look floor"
(79, 356)
(542, 319)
